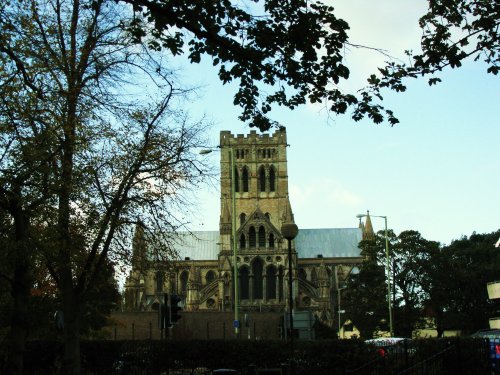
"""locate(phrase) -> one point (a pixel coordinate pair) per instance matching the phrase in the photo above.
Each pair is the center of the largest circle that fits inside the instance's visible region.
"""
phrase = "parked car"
(493, 336)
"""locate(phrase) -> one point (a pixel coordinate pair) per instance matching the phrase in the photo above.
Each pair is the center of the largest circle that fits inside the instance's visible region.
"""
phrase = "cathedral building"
(203, 274)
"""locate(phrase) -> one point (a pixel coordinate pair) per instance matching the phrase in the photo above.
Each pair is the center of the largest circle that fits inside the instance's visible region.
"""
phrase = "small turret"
(368, 233)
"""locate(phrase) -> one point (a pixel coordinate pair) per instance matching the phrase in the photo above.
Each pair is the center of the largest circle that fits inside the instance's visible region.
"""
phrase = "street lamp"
(391, 330)
(290, 231)
(233, 234)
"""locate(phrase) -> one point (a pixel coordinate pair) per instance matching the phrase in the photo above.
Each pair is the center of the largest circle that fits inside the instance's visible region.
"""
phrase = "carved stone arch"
(209, 277)
(244, 282)
(271, 282)
(302, 273)
(183, 281)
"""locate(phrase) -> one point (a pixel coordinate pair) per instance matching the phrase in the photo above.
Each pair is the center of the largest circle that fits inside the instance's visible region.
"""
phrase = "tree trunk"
(71, 331)
(19, 322)
(20, 291)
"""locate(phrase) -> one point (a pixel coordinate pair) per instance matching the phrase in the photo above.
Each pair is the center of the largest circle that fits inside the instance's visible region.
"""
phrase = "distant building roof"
(198, 245)
(329, 242)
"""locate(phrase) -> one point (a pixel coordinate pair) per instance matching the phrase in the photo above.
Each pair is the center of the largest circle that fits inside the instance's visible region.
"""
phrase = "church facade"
(203, 274)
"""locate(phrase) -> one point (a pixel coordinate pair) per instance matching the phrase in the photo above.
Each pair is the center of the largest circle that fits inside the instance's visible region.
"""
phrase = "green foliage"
(282, 53)
(365, 296)
(461, 301)
(452, 32)
(410, 256)
(447, 284)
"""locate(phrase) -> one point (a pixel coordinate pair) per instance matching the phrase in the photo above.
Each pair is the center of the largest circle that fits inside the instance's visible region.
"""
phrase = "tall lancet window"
(272, 179)
(236, 180)
(262, 237)
(262, 179)
(251, 237)
(244, 179)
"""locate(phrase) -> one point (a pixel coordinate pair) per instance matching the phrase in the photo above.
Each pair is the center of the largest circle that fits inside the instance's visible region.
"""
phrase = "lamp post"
(290, 231)
(236, 322)
(388, 270)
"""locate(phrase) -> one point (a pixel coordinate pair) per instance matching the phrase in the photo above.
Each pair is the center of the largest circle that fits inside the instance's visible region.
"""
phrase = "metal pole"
(235, 266)
(391, 330)
(290, 296)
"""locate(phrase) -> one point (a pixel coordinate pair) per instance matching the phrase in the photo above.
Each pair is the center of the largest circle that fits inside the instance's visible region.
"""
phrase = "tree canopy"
(453, 31)
(432, 285)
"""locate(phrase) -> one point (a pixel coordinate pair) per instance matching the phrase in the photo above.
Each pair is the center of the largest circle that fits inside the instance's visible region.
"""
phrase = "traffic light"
(174, 308)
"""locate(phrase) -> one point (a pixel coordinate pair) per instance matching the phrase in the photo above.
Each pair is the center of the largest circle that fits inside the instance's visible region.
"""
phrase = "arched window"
(314, 276)
(262, 237)
(302, 274)
(271, 282)
(262, 179)
(251, 237)
(209, 277)
(244, 178)
(243, 242)
(257, 268)
(184, 280)
(236, 180)
(243, 218)
(272, 179)
(280, 283)
(244, 282)
(159, 282)
(271, 241)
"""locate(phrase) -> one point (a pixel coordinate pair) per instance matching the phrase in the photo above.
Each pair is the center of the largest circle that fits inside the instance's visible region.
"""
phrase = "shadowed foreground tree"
(82, 159)
(410, 257)
(365, 296)
(456, 283)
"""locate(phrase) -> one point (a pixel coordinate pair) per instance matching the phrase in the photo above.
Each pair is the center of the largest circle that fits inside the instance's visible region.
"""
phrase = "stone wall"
(194, 325)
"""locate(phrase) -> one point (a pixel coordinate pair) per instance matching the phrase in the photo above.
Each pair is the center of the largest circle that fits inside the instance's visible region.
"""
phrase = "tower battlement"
(229, 139)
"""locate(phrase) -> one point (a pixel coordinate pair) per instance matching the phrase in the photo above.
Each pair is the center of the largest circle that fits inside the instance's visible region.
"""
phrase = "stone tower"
(261, 206)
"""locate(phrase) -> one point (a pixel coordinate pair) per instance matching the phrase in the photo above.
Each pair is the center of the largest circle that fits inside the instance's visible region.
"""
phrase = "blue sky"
(437, 172)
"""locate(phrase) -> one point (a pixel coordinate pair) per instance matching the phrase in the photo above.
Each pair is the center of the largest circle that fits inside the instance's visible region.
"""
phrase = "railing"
(427, 357)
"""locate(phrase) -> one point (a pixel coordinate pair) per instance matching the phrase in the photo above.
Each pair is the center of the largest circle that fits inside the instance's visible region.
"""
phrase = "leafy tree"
(452, 32)
(457, 281)
(365, 296)
(410, 257)
(82, 160)
(281, 52)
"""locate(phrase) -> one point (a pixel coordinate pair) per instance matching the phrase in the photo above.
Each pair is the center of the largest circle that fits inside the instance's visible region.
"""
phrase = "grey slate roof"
(329, 242)
(198, 245)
